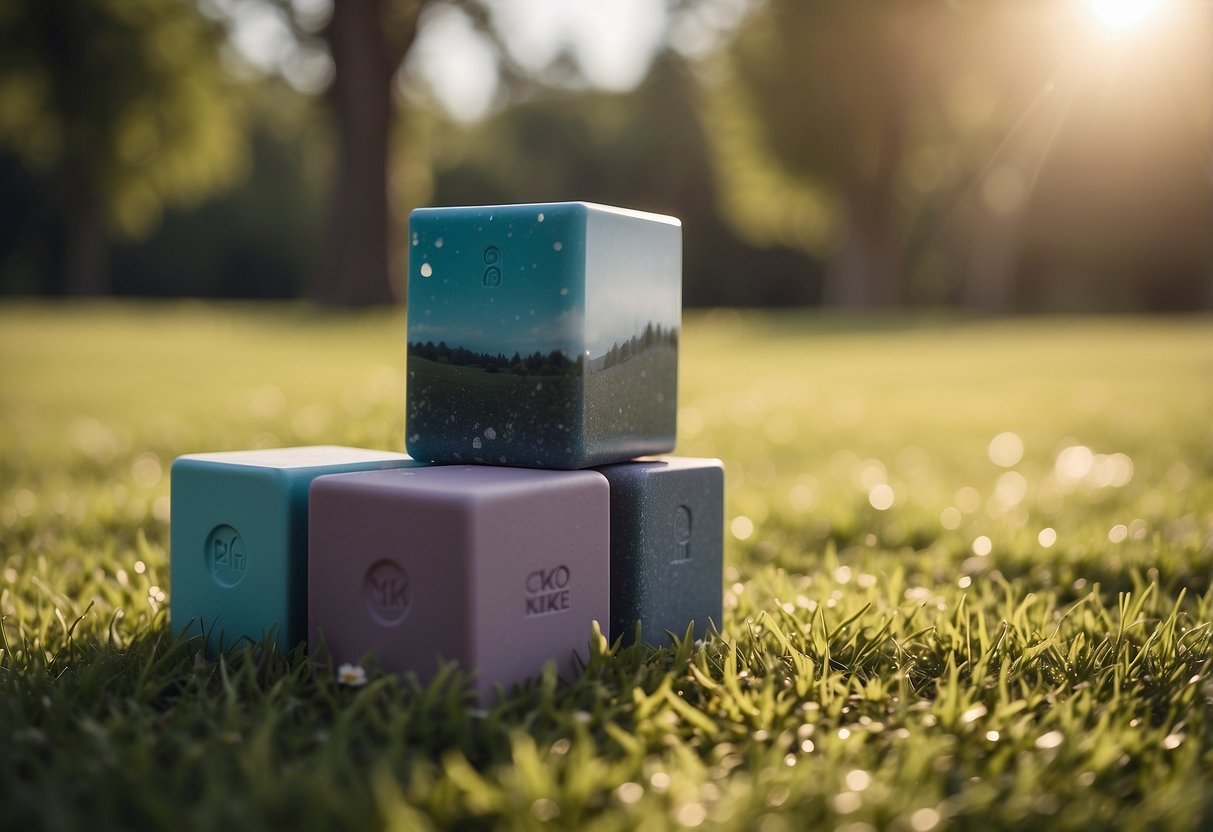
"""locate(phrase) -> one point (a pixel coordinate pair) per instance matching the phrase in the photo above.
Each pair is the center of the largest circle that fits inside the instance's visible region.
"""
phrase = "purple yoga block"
(500, 569)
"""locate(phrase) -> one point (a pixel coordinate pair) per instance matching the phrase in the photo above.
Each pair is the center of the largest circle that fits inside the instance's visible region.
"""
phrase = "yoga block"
(542, 336)
(499, 569)
(667, 546)
(239, 539)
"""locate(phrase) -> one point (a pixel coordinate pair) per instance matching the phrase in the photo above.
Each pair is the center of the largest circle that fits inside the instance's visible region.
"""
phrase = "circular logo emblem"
(492, 259)
(226, 558)
(387, 593)
(682, 525)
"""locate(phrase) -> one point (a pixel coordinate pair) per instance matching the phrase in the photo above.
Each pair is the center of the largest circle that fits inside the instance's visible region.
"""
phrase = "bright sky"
(1124, 14)
(612, 42)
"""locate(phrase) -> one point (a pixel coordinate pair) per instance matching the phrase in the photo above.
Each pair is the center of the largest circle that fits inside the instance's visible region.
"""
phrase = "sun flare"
(1124, 14)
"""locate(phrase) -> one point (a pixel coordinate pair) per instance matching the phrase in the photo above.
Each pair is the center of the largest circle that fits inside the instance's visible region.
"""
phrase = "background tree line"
(1001, 155)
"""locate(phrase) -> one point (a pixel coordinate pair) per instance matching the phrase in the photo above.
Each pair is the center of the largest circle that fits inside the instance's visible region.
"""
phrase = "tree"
(367, 40)
(124, 106)
(810, 124)
(647, 149)
(853, 130)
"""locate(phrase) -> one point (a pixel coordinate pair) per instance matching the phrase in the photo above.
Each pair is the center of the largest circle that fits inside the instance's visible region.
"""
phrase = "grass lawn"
(967, 586)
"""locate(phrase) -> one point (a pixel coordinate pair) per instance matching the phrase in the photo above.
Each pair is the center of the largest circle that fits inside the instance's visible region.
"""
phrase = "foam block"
(667, 546)
(239, 539)
(542, 336)
(499, 569)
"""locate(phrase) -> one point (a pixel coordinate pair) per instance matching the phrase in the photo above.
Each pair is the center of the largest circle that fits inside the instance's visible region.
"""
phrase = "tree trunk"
(1209, 267)
(85, 266)
(991, 262)
(358, 269)
(866, 270)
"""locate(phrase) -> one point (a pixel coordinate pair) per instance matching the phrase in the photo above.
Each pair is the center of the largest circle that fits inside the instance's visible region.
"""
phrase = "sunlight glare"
(1123, 14)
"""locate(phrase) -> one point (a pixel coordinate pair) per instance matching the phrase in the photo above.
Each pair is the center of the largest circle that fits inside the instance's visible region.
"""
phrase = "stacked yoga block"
(541, 377)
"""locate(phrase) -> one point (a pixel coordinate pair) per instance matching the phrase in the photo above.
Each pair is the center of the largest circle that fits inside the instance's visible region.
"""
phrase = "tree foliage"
(903, 142)
(125, 107)
(812, 115)
(647, 149)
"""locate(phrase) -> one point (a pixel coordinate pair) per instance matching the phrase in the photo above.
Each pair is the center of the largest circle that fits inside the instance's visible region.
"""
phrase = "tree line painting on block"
(552, 363)
(498, 397)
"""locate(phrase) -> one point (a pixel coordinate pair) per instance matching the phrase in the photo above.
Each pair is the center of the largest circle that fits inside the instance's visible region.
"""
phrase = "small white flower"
(352, 675)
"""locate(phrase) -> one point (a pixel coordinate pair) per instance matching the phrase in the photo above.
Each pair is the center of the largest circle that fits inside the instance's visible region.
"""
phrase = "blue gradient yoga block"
(542, 336)
(667, 546)
(239, 539)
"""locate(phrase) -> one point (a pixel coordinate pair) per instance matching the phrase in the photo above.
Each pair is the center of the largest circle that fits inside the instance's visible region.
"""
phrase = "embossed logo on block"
(547, 591)
(226, 558)
(492, 274)
(387, 592)
(682, 532)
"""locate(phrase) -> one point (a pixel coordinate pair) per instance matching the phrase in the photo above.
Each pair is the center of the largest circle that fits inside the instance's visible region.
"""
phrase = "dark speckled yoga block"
(499, 569)
(667, 546)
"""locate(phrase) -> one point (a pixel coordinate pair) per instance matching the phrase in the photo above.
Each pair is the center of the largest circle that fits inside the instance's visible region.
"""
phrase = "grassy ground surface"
(967, 586)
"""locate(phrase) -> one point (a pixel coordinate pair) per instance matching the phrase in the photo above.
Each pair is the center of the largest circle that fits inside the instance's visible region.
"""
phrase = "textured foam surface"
(239, 539)
(542, 336)
(499, 569)
(667, 546)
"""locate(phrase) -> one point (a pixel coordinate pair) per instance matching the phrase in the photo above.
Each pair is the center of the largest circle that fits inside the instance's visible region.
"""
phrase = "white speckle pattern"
(476, 443)
(490, 434)
(426, 270)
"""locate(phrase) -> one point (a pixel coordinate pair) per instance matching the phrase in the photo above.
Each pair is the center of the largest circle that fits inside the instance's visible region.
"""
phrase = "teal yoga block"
(542, 336)
(239, 539)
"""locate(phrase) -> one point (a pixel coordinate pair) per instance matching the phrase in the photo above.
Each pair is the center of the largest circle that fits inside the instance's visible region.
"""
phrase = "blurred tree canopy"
(997, 154)
(121, 107)
(262, 239)
(902, 140)
(643, 148)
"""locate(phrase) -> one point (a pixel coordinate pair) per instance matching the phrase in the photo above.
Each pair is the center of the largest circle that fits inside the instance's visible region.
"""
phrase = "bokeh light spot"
(950, 518)
(1006, 449)
(881, 497)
